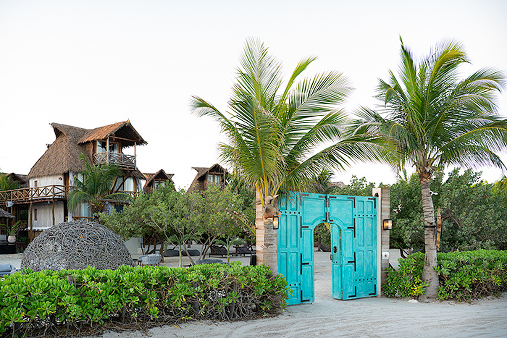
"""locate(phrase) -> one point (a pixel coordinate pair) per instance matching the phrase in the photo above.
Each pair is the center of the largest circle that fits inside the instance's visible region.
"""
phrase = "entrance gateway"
(353, 224)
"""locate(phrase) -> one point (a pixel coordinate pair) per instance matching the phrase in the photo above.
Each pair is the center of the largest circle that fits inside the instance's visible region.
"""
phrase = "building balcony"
(50, 192)
(122, 160)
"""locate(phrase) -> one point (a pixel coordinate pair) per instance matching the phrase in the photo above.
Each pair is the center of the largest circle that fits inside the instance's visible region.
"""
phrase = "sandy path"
(367, 317)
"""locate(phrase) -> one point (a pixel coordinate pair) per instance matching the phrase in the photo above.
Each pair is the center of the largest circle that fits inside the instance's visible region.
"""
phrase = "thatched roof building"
(63, 155)
(153, 178)
(215, 174)
(22, 180)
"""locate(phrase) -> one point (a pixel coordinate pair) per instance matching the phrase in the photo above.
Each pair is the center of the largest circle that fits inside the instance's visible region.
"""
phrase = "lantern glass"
(387, 224)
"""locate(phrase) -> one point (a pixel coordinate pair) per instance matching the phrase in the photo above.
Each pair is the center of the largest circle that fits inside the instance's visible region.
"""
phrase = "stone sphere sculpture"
(74, 246)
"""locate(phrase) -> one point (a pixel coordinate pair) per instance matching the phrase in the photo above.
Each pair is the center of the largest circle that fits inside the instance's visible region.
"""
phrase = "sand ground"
(367, 317)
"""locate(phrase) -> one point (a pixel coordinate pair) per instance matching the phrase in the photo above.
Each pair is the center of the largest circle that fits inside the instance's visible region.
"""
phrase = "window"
(84, 211)
(214, 178)
(119, 184)
(35, 183)
(129, 184)
(157, 184)
(101, 147)
(35, 213)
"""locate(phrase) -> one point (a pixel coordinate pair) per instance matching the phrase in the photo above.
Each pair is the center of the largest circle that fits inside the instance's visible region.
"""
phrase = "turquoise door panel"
(288, 248)
(336, 260)
(357, 271)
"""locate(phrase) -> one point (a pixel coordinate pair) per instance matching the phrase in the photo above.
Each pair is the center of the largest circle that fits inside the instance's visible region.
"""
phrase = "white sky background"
(93, 63)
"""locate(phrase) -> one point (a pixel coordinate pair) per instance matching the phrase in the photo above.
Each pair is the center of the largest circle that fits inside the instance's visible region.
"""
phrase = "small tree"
(219, 214)
(174, 217)
(134, 220)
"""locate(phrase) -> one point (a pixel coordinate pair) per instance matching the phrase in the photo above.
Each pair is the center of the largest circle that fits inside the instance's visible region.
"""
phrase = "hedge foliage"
(50, 301)
(463, 275)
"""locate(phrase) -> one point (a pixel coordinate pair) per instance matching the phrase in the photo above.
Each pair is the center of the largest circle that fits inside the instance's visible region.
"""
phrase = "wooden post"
(107, 150)
(53, 207)
(30, 234)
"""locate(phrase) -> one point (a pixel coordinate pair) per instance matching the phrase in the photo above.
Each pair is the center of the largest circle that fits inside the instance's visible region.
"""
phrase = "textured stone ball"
(74, 246)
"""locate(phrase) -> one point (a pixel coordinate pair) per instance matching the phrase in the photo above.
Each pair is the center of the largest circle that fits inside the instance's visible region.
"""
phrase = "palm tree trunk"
(430, 261)
(270, 249)
(266, 250)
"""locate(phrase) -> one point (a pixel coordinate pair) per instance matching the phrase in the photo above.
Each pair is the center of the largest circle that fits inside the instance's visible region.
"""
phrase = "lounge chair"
(7, 269)
(153, 259)
(217, 250)
(244, 250)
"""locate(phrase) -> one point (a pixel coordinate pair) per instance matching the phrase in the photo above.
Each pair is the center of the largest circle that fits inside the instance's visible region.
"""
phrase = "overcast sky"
(93, 63)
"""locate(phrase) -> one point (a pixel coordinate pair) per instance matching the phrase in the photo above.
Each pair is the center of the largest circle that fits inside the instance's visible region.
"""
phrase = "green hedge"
(462, 275)
(73, 299)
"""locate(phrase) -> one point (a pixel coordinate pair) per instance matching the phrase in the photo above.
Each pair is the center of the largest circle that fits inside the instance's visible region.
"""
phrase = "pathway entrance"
(353, 224)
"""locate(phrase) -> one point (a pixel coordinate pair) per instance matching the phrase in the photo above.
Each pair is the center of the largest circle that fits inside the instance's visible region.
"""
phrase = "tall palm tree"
(96, 187)
(437, 120)
(280, 137)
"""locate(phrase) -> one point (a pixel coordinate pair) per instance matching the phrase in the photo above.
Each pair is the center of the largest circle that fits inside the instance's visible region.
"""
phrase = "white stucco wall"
(45, 214)
(47, 180)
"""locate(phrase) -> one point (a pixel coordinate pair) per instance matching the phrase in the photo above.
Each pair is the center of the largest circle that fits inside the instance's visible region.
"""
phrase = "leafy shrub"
(471, 274)
(406, 281)
(71, 299)
(462, 275)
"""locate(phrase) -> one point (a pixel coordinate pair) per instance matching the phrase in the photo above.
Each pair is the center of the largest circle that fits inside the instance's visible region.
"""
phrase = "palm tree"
(274, 131)
(6, 183)
(437, 120)
(95, 188)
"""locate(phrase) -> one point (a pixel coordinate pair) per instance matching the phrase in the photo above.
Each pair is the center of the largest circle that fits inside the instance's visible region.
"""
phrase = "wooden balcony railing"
(35, 193)
(122, 160)
(44, 193)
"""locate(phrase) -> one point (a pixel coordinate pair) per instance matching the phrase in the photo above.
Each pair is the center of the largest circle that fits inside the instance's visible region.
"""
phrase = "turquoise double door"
(353, 224)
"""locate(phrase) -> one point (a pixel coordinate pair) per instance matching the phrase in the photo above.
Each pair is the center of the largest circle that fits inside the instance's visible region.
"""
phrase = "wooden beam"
(53, 211)
(107, 150)
(30, 233)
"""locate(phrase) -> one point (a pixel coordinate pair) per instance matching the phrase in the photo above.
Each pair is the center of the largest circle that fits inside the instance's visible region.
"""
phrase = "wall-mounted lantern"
(387, 224)
(275, 222)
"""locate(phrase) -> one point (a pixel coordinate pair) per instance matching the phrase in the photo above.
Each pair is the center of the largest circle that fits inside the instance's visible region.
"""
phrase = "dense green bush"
(72, 299)
(406, 281)
(472, 274)
(463, 275)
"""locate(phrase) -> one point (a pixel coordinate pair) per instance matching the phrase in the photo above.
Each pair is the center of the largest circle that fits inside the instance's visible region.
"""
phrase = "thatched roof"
(202, 171)
(124, 131)
(5, 214)
(63, 155)
(21, 179)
